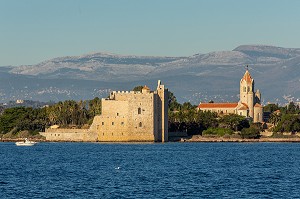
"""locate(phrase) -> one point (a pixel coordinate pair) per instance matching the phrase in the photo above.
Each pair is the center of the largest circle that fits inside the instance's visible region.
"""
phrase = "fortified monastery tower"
(127, 116)
(133, 116)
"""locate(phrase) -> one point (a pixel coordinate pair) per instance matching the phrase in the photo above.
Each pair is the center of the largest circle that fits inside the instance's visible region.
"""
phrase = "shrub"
(250, 133)
(217, 131)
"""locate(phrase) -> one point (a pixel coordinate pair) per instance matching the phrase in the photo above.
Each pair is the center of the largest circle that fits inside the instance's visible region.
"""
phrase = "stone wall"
(126, 116)
(220, 110)
(81, 135)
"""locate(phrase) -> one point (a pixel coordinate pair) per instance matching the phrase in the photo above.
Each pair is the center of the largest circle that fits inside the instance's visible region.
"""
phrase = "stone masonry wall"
(126, 117)
(82, 135)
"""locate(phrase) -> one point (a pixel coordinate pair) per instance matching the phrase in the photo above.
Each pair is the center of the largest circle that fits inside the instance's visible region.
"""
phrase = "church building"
(248, 106)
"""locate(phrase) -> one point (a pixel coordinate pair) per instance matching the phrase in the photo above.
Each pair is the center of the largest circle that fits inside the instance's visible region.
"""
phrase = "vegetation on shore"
(14, 122)
(67, 114)
(284, 119)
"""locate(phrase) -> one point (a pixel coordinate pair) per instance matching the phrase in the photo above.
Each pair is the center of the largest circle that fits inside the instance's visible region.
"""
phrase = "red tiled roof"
(244, 107)
(247, 77)
(217, 105)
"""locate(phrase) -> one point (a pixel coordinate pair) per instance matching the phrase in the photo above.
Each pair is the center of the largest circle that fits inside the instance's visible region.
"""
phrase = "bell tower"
(246, 91)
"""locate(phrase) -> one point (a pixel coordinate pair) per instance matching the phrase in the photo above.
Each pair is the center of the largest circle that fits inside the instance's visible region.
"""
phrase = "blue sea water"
(170, 170)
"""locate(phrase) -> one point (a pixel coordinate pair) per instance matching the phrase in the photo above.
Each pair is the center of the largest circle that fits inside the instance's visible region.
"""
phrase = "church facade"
(248, 106)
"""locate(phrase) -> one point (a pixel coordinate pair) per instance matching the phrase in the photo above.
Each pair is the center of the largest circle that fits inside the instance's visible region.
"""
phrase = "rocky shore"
(21, 139)
(221, 139)
(187, 139)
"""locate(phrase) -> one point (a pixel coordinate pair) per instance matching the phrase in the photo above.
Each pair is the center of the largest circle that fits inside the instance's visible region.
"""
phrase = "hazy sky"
(35, 30)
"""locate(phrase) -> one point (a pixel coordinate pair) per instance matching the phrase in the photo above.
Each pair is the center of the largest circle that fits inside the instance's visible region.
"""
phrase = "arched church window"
(139, 111)
(248, 89)
(140, 124)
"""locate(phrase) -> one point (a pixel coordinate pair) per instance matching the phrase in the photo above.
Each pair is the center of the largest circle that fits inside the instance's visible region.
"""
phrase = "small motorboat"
(26, 143)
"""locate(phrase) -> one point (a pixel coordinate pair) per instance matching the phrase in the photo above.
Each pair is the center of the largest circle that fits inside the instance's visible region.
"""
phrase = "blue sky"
(35, 30)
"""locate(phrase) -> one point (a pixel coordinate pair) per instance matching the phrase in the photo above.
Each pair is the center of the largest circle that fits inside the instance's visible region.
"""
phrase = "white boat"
(26, 143)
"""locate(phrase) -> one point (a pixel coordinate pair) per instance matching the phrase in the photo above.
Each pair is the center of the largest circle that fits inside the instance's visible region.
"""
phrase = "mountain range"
(197, 78)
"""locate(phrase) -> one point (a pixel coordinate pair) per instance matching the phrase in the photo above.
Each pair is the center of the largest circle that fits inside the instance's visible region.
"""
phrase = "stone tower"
(162, 106)
(246, 92)
(250, 98)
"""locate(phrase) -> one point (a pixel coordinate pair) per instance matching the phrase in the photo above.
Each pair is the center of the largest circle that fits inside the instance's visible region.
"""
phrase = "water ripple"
(171, 170)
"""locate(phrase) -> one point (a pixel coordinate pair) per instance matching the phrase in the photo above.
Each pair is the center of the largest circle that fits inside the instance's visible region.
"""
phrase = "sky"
(33, 31)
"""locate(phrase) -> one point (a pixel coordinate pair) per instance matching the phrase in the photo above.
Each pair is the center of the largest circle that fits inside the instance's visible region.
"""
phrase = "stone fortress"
(127, 116)
(248, 106)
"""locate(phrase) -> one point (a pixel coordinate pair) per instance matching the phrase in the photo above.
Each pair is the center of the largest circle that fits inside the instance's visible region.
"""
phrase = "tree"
(292, 108)
(275, 117)
(206, 119)
(234, 122)
(250, 133)
(288, 123)
(10, 118)
(138, 88)
(172, 102)
(21, 118)
(271, 108)
(217, 131)
(95, 107)
(188, 106)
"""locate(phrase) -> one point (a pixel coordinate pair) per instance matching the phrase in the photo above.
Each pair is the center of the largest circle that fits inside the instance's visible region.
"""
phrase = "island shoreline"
(188, 140)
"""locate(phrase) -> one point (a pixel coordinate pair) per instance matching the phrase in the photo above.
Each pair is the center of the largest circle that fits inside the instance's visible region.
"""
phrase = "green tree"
(292, 108)
(21, 118)
(206, 119)
(250, 133)
(217, 131)
(138, 88)
(188, 106)
(275, 117)
(271, 108)
(173, 104)
(95, 107)
(10, 118)
(288, 123)
(234, 122)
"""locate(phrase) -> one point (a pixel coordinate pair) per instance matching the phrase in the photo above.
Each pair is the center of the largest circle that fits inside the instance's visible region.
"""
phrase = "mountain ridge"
(275, 70)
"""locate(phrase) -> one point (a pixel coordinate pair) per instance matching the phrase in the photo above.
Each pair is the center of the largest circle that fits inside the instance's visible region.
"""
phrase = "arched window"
(139, 111)
(248, 89)
(140, 124)
(244, 89)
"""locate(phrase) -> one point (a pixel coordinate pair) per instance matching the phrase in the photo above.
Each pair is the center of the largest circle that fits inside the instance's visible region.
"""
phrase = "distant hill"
(201, 77)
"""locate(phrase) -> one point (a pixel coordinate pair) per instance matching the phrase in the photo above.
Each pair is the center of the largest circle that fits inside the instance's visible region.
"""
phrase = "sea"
(150, 170)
